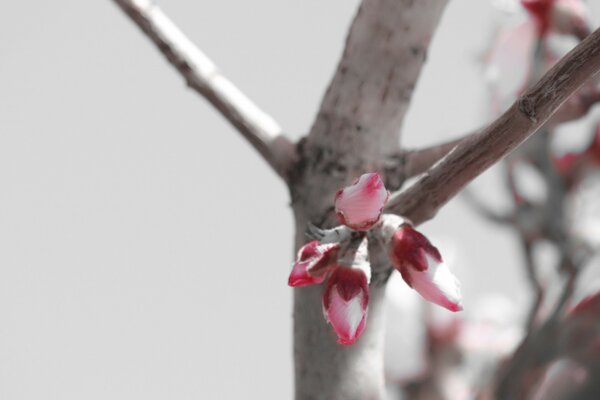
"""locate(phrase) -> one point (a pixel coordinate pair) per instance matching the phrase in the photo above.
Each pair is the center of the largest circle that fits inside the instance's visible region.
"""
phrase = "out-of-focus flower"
(422, 268)
(567, 17)
(513, 62)
(580, 332)
(345, 302)
(359, 205)
(313, 262)
(508, 64)
(573, 167)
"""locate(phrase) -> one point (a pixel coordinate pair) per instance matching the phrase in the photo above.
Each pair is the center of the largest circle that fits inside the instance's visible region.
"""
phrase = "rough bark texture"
(357, 127)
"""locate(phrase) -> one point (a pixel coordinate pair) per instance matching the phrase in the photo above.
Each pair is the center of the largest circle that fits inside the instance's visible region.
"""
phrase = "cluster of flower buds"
(342, 259)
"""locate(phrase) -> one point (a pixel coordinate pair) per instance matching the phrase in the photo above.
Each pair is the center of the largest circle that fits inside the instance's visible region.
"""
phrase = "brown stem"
(534, 282)
(203, 76)
(421, 201)
(419, 161)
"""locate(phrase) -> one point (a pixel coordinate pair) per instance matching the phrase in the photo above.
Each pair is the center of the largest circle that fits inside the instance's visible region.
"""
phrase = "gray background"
(144, 246)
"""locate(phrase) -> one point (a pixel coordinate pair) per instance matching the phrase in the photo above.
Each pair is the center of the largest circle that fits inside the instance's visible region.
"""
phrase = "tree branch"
(420, 160)
(203, 76)
(484, 210)
(415, 162)
(421, 201)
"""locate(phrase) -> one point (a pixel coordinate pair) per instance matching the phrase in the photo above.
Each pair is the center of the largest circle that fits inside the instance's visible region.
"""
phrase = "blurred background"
(144, 246)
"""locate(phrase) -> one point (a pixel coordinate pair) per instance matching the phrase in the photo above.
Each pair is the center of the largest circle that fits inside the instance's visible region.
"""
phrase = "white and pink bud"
(345, 302)
(422, 268)
(313, 262)
(359, 205)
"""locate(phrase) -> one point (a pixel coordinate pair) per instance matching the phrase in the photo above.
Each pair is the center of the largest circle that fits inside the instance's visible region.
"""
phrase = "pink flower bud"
(359, 205)
(423, 269)
(345, 302)
(313, 262)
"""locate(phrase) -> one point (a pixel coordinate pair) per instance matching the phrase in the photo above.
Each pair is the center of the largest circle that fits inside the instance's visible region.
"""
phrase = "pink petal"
(300, 276)
(359, 205)
(509, 63)
(409, 248)
(313, 262)
(436, 284)
(345, 302)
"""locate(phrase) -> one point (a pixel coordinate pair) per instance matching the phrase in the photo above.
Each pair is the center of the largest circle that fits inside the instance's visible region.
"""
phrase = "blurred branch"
(534, 282)
(576, 106)
(203, 76)
(415, 162)
(421, 201)
(483, 210)
(420, 160)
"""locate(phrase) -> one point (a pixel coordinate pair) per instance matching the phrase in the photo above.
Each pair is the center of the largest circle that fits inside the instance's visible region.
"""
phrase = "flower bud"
(345, 302)
(423, 269)
(313, 262)
(359, 205)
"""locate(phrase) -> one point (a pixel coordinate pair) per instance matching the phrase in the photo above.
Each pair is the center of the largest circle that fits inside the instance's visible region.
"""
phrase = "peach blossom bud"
(313, 262)
(345, 302)
(423, 269)
(359, 205)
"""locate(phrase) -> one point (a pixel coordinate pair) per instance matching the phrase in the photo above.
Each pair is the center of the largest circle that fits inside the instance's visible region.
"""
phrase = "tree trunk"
(356, 130)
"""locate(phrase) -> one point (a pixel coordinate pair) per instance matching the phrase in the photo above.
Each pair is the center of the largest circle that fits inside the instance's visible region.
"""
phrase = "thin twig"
(420, 160)
(421, 201)
(485, 211)
(534, 282)
(202, 75)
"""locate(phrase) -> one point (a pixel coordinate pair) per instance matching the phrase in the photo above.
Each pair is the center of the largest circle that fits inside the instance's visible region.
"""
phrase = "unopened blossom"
(422, 268)
(345, 302)
(313, 262)
(359, 205)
